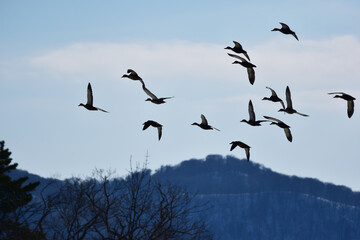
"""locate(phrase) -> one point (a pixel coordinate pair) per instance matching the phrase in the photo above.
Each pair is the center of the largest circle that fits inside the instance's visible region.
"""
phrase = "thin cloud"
(317, 62)
(113, 59)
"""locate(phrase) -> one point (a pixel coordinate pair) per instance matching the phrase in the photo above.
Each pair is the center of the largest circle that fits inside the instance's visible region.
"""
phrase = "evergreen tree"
(13, 195)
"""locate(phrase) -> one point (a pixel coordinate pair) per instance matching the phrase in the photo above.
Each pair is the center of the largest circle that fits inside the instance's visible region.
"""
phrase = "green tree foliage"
(13, 195)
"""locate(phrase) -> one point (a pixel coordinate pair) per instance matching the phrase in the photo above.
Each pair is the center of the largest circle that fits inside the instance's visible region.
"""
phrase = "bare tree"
(134, 207)
(68, 216)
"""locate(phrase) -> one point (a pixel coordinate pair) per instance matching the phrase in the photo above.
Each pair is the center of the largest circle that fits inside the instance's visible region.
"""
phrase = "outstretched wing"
(251, 112)
(282, 103)
(203, 120)
(350, 108)
(344, 95)
(284, 26)
(240, 48)
(159, 128)
(146, 125)
(294, 34)
(337, 93)
(273, 119)
(288, 97)
(238, 57)
(288, 134)
(237, 45)
(247, 151)
(246, 55)
(251, 75)
(233, 145)
(147, 91)
(273, 93)
(89, 95)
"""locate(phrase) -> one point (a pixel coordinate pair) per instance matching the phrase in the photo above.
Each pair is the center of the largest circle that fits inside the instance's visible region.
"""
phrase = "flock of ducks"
(285, 29)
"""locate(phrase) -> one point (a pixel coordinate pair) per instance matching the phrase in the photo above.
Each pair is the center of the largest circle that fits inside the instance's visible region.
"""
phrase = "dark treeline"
(229, 175)
(103, 206)
(233, 198)
(249, 201)
(280, 215)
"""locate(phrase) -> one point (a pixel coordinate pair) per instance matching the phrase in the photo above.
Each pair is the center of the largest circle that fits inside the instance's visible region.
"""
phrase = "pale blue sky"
(51, 50)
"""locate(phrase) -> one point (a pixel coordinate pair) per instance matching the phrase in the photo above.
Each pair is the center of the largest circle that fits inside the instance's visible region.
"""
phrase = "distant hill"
(280, 215)
(50, 184)
(249, 201)
(228, 175)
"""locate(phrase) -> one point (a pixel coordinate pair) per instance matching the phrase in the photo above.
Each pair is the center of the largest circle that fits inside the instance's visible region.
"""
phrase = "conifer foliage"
(13, 195)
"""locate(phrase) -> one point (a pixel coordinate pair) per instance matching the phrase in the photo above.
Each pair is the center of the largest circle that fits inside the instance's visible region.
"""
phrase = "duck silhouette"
(204, 124)
(289, 108)
(281, 125)
(153, 97)
(235, 144)
(90, 99)
(252, 120)
(274, 97)
(153, 124)
(285, 29)
(132, 75)
(248, 65)
(238, 49)
(349, 99)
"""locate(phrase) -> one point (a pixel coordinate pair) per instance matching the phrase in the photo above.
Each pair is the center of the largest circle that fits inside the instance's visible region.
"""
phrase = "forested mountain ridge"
(245, 200)
(228, 175)
(249, 201)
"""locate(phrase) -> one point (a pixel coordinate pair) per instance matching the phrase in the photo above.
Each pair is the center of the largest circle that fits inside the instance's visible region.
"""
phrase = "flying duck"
(249, 66)
(132, 75)
(252, 120)
(204, 124)
(153, 124)
(285, 29)
(289, 108)
(153, 98)
(282, 125)
(238, 49)
(274, 97)
(235, 144)
(90, 99)
(349, 99)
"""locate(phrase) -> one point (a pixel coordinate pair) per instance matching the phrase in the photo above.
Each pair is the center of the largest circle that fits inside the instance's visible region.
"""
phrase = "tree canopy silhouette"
(14, 194)
(134, 207)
